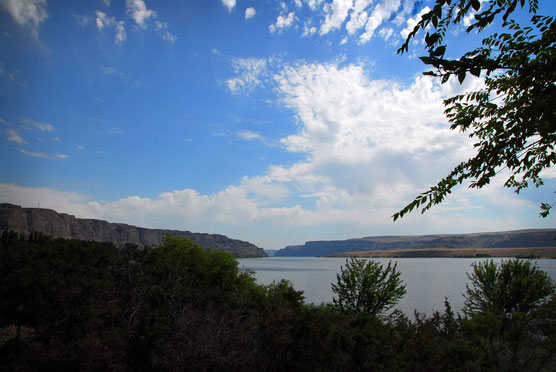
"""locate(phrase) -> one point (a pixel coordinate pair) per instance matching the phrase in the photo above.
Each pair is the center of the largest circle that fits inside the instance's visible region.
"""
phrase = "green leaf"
(440, 51)
(476, 71)
(461, 76)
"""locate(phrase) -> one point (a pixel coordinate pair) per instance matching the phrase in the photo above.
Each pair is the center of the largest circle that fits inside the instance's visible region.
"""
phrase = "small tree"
(513, 286)
(365, 287)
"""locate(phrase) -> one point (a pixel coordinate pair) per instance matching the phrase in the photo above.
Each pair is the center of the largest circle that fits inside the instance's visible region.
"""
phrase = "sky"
(275, 122)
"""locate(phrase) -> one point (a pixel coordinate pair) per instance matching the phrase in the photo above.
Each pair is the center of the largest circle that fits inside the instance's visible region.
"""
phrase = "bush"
(365, 287)
(513, 286)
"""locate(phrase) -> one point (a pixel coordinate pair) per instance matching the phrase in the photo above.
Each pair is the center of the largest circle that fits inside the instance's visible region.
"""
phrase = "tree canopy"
(513, 117)
(366, 287)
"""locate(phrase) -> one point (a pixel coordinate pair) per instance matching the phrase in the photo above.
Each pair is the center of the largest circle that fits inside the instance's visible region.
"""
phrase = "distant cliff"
(504, 239)
(14, 217)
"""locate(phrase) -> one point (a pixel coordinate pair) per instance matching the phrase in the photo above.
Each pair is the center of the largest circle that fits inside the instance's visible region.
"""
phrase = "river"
(428, 280)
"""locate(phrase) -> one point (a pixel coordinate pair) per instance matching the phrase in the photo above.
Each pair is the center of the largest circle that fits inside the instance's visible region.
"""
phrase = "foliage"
(513, 117)
(365, 287)
(283, 294)
(514, 286)
(76, 305)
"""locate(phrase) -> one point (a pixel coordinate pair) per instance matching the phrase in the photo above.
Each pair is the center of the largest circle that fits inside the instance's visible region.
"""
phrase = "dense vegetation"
(79, 305)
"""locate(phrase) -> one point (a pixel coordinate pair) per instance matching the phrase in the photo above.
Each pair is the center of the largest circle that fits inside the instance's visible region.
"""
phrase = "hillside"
(50, 222)
(504, 239)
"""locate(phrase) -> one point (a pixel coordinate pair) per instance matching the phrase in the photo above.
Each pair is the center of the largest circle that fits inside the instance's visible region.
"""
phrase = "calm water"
(428, 280)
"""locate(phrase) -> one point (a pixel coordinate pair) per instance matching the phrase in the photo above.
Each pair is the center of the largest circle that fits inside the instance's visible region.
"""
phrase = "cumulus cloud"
(366, 138)
(282, 22)
(336, 13)
(248, 74)
(26, 12)
(137, 9)
(365, 148)
(250, 12)
(102, 21)
(229, 4)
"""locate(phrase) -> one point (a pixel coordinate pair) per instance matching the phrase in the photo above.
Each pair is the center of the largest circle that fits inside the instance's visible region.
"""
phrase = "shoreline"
(536, 252)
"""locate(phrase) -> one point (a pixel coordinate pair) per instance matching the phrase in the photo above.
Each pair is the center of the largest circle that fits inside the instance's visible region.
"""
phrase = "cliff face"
(505, 239)
(14, 217)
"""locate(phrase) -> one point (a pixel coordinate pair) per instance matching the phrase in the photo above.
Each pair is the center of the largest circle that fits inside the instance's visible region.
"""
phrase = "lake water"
(428, 280)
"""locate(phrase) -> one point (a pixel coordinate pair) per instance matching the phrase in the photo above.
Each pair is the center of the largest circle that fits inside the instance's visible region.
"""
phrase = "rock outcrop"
(52, 223)
(503, 239)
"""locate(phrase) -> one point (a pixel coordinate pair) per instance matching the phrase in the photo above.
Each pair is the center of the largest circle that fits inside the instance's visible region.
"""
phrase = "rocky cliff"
(14, 217)
(504, 239)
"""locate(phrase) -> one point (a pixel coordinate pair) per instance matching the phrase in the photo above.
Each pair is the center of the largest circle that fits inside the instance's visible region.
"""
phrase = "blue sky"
(273, 122)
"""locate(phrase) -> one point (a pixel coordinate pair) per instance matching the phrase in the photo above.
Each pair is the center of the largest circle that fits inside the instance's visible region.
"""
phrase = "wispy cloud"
(124, 78)
(248, 135)
(249, 72)
(162, 29)
(45, 127)
(42, 155)
(30, 13)
(13, 136)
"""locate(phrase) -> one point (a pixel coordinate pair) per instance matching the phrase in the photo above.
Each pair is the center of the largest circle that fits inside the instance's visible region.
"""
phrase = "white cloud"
(308, 30)
(313, 4)
(381, 12)
(250, 12)
(83, 20)
(80, 147)
(121, 34)
(26, 12)
(13, 136)
(106, 2)
(249, 72)
(412, 22)
(385, 33)
(45, 127)
(137, 9)
(366, 147)
(298, 3)
(163, 31)
(352, 126)
(43, 155)
(104, 21)
(248, 135)
(282, 22)
(336, 13)
(229, 4)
